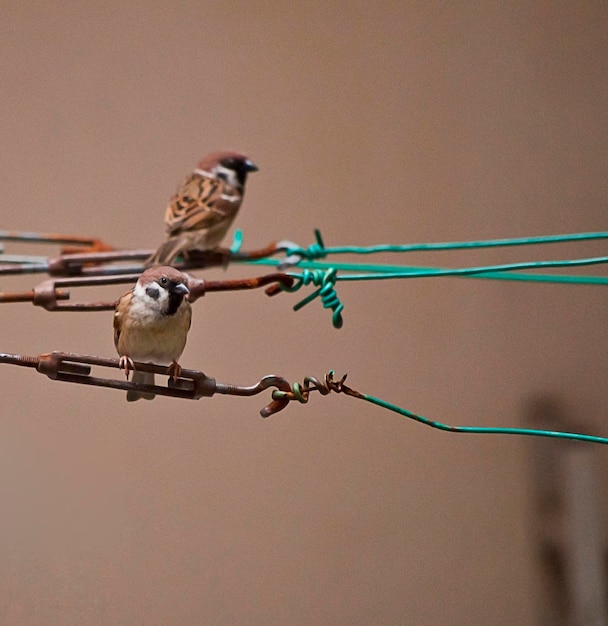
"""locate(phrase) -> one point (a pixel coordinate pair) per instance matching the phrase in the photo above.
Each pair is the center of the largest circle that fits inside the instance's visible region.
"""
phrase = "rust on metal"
(191, 384)
(49, 293)
(90, 256)
(71, 243)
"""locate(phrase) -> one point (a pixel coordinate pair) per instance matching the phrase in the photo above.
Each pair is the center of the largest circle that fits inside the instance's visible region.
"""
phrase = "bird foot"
(126, 363)
(174, 370)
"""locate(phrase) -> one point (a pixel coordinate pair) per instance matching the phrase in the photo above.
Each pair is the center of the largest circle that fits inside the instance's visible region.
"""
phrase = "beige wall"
(397, 122)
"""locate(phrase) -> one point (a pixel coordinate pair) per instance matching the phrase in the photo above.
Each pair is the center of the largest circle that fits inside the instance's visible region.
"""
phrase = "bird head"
(230, 166)
(162, 288)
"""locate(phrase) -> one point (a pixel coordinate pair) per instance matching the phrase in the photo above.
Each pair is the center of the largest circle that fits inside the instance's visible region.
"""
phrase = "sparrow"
(203, 208)
(151, 323)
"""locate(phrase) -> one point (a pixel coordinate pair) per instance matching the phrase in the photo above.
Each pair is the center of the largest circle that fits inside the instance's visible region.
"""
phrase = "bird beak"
(250, 166)
(181, 289)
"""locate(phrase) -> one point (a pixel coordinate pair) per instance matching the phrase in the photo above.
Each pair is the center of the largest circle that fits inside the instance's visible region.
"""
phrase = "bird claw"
(174, 370)
(126, 363)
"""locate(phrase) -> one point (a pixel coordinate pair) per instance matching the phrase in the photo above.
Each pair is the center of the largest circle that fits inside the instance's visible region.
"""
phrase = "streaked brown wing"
(199, 205)
(189, 317)
(119, 314)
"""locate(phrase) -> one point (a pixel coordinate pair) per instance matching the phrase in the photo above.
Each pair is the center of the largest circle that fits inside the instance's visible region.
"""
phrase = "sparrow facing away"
(151, 323)
(203, 208)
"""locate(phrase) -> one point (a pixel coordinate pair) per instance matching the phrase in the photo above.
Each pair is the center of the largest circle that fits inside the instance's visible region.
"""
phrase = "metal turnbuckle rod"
(190, 384)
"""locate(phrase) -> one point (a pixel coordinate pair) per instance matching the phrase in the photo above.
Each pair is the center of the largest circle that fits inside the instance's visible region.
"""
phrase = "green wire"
(327, 273)
(318, 249)
(324, 275)
(555, 434)
(491, 272)
(494, 272)
(466, 271)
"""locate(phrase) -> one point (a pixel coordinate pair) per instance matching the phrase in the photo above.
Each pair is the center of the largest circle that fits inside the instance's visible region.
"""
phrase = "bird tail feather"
(167, 252)
(144, 378)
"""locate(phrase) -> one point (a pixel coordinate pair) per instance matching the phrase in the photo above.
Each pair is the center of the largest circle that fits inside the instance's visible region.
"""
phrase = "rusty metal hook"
(191, 384)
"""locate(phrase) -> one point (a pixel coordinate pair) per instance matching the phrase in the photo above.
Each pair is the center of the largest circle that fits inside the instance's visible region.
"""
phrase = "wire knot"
(326, 281)
(315, 251)
(301, 392)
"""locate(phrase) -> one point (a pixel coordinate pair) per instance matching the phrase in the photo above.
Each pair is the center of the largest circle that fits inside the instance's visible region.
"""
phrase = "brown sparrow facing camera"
(151, 323)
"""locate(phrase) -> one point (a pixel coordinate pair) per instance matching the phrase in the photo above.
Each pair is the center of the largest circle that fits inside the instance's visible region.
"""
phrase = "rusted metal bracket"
(88, 256)
(49, 293)
(191, 384)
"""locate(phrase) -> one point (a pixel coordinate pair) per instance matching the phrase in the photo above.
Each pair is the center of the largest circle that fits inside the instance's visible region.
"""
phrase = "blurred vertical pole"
(585, 570)
(567, 522)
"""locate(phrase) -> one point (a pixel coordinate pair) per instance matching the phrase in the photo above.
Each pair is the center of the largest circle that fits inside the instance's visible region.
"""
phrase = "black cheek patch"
(153, 292)
(175, 299)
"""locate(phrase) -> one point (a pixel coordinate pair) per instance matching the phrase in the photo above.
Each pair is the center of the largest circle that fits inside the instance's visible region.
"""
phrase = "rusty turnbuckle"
(191, 384)
(50, 293)
(89, 256)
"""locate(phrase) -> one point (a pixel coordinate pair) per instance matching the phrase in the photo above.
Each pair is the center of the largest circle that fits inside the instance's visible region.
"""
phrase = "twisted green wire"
(495, 272)
(318, 272)
(324, 275)
(325, 280)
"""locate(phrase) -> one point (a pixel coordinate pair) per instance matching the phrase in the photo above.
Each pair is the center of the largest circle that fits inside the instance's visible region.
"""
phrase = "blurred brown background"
(389, 123)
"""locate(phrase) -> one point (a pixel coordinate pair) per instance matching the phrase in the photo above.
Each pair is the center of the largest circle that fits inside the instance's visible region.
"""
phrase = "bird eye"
(163, 281)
